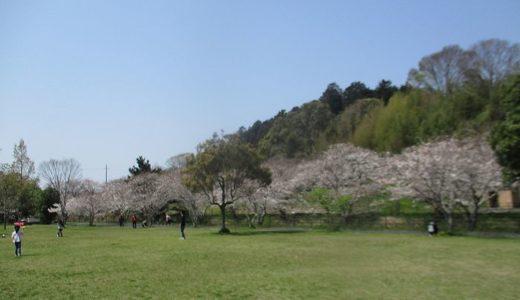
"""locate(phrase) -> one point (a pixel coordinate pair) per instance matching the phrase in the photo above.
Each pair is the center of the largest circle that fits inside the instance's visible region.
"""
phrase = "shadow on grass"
(267, 231)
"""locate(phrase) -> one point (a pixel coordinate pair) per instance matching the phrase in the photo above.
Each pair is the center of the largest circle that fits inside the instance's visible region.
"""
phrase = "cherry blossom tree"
(171, 190)
(478, 176)
(142, 191)
(448, 174)
(89, 201)
(254, 202)
(349, 172)
(117, 197)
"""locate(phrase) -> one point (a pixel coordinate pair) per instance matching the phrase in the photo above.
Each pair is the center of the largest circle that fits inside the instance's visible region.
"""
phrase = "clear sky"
(106, 81)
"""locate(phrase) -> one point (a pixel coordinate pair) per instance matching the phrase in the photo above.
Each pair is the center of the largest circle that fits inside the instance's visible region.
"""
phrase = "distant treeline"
(451, 92)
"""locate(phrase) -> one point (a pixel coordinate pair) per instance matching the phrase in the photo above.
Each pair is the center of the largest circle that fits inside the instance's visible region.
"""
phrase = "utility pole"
(106, 173)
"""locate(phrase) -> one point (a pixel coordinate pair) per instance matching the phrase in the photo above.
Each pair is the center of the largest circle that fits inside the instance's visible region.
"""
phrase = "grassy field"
(122, 263)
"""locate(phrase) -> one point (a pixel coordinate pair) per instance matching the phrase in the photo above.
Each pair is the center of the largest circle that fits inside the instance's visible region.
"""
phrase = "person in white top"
(17, 240)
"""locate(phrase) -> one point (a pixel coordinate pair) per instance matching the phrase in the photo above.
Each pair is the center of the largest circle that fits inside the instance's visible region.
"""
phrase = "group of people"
(17, 234)
(168, 220)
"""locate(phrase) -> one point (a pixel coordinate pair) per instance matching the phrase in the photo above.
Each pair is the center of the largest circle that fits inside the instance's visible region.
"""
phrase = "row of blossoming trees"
(450, 175)
(447, 174)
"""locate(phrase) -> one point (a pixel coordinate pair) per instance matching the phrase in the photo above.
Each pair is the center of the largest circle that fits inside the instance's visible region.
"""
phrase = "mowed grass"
(122, 263)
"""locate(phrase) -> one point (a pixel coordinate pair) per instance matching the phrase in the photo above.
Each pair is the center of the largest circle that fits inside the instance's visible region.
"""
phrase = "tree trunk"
(261, 216)
(223, 229)
(472, 220)
(449, 220)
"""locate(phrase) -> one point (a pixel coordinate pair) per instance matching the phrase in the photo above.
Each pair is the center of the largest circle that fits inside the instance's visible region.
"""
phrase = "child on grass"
(17, 240)
(60, 228)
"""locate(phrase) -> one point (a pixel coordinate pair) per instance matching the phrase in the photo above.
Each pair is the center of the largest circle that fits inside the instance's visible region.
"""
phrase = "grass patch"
(122, 263)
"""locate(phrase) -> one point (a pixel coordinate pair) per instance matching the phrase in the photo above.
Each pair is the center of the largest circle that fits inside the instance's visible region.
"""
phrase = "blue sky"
(106, 81)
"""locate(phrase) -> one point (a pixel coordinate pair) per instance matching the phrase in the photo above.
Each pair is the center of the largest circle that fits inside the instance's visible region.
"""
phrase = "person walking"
(183, 225)
(134, 221)
(121, 220)
(168, 220)
(61, 225)
(17, 240)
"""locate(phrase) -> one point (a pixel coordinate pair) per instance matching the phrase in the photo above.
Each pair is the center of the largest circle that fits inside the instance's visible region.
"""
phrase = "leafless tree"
(496, 59)
(178, 161)
(63, 176)
(444, 70)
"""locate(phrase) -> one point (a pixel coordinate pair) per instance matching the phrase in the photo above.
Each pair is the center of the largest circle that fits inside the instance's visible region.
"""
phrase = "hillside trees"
(254, 134)
(496, 60)
(385, 90)
(453, 91)
(219, 170)
(442, 71)
(296, 134)
(177, 162)
(333, 97)
(505, 137)
(343, 127)
(355, 91)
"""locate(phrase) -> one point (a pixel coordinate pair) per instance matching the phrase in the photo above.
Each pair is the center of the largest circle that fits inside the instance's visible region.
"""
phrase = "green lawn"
(122, 263)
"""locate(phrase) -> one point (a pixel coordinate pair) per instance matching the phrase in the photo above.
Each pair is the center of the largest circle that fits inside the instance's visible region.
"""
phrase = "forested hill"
(454, 91)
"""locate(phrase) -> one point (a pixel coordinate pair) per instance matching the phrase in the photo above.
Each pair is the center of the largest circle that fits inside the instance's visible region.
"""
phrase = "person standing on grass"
(17, 240)
(60, 228)
(121, 220)
(183, 225)
(134, 221)
(432, 228)
(168, 220)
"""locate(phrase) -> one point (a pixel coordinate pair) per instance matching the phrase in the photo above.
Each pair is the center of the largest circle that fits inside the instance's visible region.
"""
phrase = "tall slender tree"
(22, 164)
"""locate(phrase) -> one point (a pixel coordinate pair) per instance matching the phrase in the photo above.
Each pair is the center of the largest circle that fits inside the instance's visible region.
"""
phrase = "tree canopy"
(220, 169)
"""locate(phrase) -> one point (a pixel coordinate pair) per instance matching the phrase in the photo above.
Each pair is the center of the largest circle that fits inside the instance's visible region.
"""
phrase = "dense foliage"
(506, 135)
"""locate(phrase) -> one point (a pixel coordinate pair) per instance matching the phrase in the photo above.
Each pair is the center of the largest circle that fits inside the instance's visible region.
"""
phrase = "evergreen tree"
(143, 166)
